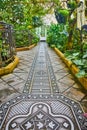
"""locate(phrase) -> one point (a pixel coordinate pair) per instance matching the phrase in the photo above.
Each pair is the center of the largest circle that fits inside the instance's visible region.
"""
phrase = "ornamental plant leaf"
(85, 64)
(81, 73)
(76, 54)
(78, 62)
(85, 56)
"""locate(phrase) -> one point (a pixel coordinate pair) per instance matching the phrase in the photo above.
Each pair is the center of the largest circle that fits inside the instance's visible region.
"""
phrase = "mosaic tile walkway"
(41, 103)
(41, 78)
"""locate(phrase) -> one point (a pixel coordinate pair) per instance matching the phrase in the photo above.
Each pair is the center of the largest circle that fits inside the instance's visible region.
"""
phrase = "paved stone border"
(9, 68)
(25, 48)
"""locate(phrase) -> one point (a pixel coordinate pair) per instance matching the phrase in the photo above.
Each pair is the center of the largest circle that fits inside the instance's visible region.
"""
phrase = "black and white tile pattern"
(39, 112)
(41, 106)
(41, 78)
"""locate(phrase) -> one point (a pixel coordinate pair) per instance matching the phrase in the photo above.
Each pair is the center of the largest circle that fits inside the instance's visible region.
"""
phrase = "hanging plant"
(62, 15)
(72, 5)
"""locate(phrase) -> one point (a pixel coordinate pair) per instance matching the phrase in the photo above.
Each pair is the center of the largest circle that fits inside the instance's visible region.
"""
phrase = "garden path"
(41, 94)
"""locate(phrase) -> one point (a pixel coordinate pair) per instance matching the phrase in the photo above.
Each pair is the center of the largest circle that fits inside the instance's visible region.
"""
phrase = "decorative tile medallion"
(42, 112)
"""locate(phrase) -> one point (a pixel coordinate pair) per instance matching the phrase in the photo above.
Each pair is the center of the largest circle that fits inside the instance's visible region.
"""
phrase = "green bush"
(57, 36)
(25, 38)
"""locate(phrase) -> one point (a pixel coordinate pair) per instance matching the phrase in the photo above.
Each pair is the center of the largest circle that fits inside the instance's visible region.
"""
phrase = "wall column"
(81, 15)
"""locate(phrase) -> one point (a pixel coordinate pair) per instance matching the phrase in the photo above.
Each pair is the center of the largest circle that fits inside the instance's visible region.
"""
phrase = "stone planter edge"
(25, 48)
(9, 68)
(72, 68)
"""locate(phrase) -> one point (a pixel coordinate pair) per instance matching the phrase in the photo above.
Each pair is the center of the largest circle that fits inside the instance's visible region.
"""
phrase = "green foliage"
(78, 53)
(71, 54)
(61, 15)
(35, 39)
(64, 12)
(72, 4)
(57, 36)
(36, 21)
(25, 38)
(80, 62)
(81, 73)
(21, 38)
(25, 12)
